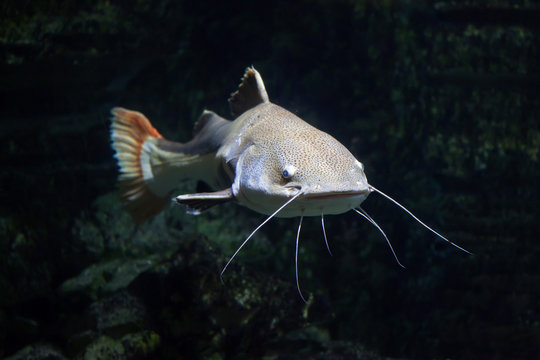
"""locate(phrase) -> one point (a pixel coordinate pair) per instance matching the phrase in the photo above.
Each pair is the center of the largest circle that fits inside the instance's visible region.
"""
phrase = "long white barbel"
(254, 231)
(363, 213)
(415, 218)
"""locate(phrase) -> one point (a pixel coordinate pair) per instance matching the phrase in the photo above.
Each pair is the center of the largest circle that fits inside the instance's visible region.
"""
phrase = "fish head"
(311, 162)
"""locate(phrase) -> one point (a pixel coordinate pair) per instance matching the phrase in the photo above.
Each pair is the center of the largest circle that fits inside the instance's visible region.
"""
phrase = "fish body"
(261, 159)
(266, 159)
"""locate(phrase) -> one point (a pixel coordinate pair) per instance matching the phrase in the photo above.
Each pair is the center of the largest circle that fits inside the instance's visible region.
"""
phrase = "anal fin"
(199, 202)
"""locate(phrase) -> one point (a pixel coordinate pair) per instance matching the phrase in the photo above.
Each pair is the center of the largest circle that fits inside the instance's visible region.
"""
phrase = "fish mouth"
(334, 195)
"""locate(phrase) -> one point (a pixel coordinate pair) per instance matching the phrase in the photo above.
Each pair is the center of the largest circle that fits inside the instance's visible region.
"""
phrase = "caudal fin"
(130, 130)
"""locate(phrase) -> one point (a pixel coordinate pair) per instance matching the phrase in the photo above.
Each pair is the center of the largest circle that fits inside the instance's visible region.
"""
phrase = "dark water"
(439, 101)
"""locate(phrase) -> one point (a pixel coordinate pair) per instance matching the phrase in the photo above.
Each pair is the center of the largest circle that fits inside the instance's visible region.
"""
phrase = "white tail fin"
(130, 131)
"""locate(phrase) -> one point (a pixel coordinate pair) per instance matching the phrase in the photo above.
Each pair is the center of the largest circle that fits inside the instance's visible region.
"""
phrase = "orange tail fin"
(129, 132)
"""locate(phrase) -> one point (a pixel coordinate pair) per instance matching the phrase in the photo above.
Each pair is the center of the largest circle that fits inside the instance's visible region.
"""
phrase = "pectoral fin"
(197, 203)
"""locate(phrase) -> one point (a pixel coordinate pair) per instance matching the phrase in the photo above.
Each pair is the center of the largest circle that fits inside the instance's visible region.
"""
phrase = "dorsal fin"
(250, 93)
(205, 118)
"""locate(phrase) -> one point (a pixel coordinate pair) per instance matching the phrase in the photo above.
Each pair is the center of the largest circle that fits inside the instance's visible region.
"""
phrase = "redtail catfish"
(267, 159)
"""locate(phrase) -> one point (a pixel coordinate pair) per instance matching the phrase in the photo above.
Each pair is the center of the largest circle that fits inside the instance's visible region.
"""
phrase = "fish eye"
(360, 165)
(288, 172)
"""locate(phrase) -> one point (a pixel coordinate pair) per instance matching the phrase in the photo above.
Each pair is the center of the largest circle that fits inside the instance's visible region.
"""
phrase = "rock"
(108, 276)
(118, 314)
(37, 352)
(131, 346)
(140, 343)
(103, 348)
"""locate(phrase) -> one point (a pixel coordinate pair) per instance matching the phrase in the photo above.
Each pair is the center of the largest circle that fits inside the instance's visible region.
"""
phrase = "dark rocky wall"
(439, 100)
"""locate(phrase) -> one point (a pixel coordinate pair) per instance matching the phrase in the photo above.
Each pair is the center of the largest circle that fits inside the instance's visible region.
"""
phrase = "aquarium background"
(439, 100)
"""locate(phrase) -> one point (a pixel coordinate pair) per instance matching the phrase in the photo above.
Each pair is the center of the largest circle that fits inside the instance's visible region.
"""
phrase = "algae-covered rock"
(103, 348)
(138, 345)
(109, 276)
(37, 352)
(118, 314)
(176, 292)
(186, 300)
(109, 230)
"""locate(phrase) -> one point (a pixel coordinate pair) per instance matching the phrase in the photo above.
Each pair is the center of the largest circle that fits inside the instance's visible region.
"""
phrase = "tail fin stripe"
(129, 132)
